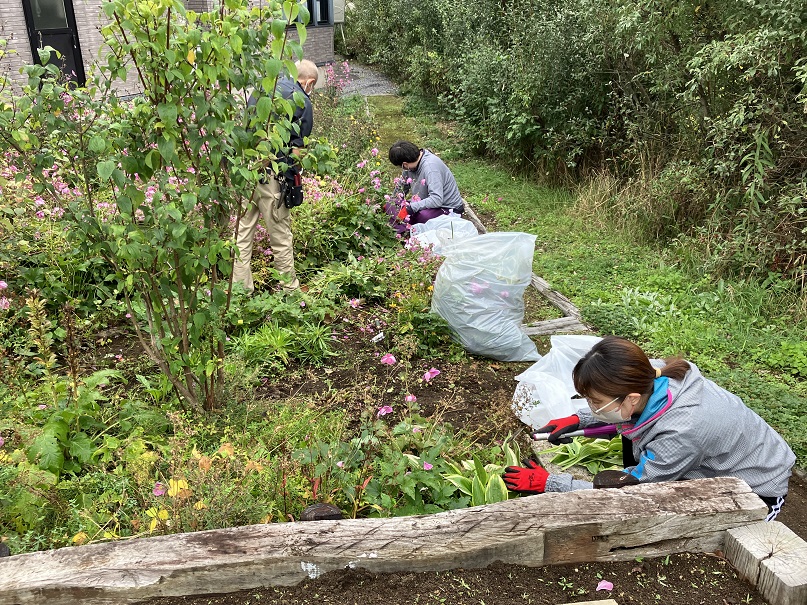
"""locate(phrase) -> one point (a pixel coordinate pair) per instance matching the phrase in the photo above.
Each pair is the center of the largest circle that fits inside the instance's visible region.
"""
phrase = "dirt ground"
(476, 395)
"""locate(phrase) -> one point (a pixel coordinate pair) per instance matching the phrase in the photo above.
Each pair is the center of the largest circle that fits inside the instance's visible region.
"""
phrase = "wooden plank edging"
(590, 525)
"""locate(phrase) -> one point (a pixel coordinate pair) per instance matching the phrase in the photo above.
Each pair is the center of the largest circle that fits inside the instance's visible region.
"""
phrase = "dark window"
(321, 12)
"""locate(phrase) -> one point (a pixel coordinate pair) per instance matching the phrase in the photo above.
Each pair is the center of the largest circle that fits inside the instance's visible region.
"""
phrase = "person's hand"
(530, 479)
(559, 427)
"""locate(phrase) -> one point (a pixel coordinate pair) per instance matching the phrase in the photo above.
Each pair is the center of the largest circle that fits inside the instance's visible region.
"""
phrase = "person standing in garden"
(680, 424)
(267, 200)
(428, 188)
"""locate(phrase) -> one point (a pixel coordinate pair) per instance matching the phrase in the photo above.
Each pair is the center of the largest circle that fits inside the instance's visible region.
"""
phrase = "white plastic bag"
(479, 291)
(441, 231)
(545, 389)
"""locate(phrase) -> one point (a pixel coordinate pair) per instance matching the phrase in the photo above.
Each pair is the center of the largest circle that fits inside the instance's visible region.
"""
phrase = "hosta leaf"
(477, 492)
(461, 483)
(496, 490)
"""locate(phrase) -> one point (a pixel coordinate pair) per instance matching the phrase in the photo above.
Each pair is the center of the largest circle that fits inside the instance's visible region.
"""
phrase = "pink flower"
(427, 466)
(374, 151)
(605, 585)
(302, 303)
(417, 429)
(340, 464)
(505, 294)
(422, 181)
(361, 164)
(4, 303)
(42, 406)
(476, 288)
(410, 398)
(3, 285)
(388, 359)
(384, 410)
(431, 374)
(2, 441)
(159, 489)
(128, 316)
(355, 303)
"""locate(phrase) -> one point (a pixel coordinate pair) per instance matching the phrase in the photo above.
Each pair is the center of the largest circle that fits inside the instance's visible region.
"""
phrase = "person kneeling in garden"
(427, 187)
(680, 425)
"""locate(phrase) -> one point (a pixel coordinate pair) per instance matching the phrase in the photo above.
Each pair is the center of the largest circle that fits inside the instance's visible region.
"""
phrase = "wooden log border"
(590, 525)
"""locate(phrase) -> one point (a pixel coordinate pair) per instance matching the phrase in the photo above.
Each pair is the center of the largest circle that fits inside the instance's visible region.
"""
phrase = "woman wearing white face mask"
(678, 424)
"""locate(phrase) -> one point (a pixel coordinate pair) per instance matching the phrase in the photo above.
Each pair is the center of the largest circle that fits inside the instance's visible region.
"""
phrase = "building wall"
(13, 29)
(318, 45)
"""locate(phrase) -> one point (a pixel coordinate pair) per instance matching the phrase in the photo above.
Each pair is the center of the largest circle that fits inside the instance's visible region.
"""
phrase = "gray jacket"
(434, 184)
(699, 430)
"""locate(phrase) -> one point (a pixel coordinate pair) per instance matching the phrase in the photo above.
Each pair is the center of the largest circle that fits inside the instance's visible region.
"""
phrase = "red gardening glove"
(403, 213)
(529, 480)
(559, 427)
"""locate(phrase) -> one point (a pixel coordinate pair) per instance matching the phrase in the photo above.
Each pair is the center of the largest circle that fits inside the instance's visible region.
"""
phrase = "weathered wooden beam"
(553, 326)
(589, 525)
(471, 216)
(773, 558)
(555, 297)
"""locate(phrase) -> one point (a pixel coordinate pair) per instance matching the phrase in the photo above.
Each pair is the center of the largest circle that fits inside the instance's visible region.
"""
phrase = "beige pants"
(266, 203)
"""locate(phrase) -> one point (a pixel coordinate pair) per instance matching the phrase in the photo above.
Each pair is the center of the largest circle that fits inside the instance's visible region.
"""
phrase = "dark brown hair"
(617, 367)
(403, 151)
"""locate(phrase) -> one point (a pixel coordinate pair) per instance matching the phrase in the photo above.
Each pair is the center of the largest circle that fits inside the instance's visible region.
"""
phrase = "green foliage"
(485, 484)
(343, 221)
(594, 455)
(791, 357)
(177, 162)
(696, 109)
(386, 469)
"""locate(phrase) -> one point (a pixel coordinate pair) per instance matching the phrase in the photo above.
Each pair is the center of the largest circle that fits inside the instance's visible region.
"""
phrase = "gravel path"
(367, 81)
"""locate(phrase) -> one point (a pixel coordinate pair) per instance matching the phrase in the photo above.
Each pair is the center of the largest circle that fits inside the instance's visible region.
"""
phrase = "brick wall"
(13, 29)
(318, 45)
